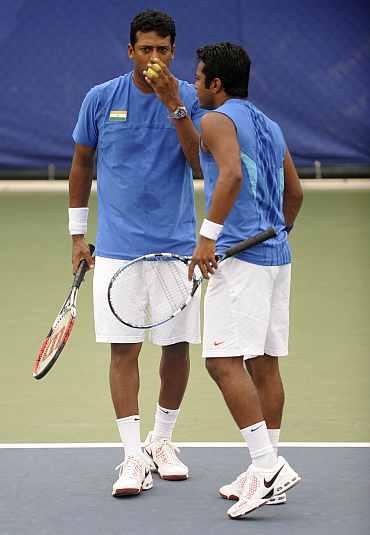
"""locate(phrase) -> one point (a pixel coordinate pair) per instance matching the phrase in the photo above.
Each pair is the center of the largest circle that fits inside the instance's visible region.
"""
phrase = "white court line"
(54, 186)
(66, 445)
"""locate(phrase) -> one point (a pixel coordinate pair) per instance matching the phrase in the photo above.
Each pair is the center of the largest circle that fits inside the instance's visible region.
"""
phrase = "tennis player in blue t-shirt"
(141, 127)
(251, 184)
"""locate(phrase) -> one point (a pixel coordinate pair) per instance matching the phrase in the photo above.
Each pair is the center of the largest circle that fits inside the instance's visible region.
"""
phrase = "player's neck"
(140, 82)
(221, 98)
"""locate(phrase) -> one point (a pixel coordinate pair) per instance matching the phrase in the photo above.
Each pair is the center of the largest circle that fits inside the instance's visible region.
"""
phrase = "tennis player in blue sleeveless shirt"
(142, 125)
(251, 184)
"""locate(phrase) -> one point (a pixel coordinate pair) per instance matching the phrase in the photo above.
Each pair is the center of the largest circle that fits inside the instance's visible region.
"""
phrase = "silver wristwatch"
(179, 113)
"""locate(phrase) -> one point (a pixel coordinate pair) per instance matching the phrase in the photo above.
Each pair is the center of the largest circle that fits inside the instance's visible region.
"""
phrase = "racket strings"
(57, 336)
(171, 279)
(150, 291)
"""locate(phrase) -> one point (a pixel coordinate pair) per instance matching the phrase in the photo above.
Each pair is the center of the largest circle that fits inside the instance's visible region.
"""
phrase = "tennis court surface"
(58, 491)
(67, 491)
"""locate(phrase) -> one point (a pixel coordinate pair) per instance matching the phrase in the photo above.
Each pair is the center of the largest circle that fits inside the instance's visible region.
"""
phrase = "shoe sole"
(289, 485)
(154, 468)
(231, 497)
(129, 492)
(272, 501)
(173, 477)
(132, 492)
(276, 501)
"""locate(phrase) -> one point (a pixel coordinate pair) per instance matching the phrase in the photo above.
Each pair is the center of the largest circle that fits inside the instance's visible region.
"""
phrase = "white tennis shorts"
(246, 310)
(185, 327)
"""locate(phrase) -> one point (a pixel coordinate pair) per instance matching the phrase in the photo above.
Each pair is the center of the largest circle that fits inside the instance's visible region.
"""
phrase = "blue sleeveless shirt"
(260, 201)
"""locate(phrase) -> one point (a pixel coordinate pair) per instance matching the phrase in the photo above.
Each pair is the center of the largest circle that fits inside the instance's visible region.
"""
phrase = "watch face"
(180, 113)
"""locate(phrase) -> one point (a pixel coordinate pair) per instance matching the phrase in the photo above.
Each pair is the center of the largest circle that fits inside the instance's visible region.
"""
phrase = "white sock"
(129, 430)
(259, 445)
(274, 435)
(164, 422)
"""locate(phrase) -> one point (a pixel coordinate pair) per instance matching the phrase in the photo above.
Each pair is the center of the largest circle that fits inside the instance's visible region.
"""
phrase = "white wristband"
(210, 229)
(78, 220)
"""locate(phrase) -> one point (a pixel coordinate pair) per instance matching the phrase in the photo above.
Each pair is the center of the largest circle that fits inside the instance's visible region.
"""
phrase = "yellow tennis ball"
(156, 67)
(152, 73)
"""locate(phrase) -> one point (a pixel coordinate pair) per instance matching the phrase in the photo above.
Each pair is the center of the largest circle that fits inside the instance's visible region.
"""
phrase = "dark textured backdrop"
(310, 69)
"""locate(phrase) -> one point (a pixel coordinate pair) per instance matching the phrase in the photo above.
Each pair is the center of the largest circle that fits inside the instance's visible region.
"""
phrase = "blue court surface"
(67, 491)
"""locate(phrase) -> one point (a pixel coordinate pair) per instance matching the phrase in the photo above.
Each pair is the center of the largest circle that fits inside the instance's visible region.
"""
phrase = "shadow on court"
(67, 491)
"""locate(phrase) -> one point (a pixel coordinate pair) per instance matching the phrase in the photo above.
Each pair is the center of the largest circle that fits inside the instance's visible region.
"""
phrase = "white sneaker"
(262, 485)
(134, 476)
(233, 491)
(161, 454)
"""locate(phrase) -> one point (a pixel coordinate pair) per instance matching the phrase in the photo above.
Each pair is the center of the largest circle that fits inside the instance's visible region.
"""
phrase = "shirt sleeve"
(197, 113)
(86, 129)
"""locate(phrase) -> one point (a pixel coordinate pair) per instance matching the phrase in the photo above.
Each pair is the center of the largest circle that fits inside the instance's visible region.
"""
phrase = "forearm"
(291, 207)
(293, 193)
(189, 140)
(80, 180)
(224, 196)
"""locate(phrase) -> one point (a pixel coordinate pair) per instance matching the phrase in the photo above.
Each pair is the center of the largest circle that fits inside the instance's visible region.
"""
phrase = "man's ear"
(130, 50)
(216, 85)
(173, 51)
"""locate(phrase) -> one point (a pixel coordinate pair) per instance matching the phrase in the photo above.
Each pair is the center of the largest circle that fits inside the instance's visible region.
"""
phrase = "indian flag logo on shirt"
(118, 115)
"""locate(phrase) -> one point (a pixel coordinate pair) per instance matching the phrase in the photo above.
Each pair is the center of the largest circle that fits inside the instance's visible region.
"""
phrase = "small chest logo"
(118, 115)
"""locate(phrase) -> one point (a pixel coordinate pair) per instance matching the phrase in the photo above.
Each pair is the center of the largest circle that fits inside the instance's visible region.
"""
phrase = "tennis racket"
(61, 329)
(154, 288)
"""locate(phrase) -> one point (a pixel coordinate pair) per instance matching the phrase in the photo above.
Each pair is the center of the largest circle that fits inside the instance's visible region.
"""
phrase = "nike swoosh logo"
(268, 484)
(218, 343)
(256, 428)
(268, 495)
(166, 412)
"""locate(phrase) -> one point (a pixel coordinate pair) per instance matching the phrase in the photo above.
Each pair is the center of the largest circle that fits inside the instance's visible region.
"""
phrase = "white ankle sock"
(259, 445)
(129, 430)
(164, 422)
(274, 435)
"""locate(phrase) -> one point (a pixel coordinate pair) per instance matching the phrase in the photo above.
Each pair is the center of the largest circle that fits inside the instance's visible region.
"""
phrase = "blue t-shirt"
(145, 186)
(260, 201)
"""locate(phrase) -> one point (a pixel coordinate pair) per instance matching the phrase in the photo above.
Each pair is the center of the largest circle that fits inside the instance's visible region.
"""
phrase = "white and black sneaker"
(161, 455)
(134, 476)
(260, 486)
(233, 491)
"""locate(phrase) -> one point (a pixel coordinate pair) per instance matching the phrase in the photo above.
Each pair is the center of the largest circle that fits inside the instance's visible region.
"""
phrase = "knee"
(264, 370)
(124, 354)
(219, 368)
(179, 351)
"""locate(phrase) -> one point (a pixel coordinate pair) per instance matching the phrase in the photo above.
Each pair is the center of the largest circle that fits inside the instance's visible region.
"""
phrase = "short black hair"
(153, 21)
(228, 62)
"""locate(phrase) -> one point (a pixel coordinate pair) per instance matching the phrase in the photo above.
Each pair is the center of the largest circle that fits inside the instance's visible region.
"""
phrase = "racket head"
(54, 343)
(57, 337)
(151, 290)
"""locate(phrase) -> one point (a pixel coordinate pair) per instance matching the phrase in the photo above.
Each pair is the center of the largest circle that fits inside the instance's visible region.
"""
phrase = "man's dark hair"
(153, 21)
(230, 63)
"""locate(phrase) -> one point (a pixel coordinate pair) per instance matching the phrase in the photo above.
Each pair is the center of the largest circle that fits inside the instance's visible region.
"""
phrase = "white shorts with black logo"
(246, 310)
(183, 328)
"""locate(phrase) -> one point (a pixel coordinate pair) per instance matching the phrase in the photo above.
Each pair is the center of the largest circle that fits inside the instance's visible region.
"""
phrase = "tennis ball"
(156, 67)
(151, 73)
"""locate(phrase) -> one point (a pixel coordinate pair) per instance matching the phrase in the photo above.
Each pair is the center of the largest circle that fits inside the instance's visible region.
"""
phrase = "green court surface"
(327, 374)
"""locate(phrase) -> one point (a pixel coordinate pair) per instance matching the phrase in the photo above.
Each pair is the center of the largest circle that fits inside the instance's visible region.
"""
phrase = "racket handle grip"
(250, 242)
(82, 268)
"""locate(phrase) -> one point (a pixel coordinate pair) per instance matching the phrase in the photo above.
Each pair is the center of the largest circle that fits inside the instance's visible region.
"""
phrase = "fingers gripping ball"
(153, 71)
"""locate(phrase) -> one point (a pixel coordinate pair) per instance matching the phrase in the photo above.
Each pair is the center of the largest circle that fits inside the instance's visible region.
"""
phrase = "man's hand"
(81, 251)
(163, 83)
(204, 256)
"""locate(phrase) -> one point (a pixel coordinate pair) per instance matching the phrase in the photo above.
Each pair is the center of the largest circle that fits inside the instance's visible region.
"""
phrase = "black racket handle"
(82, 268)
(246, 244)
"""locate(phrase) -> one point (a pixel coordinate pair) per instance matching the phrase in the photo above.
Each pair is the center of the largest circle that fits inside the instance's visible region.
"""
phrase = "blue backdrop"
(310, 69)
